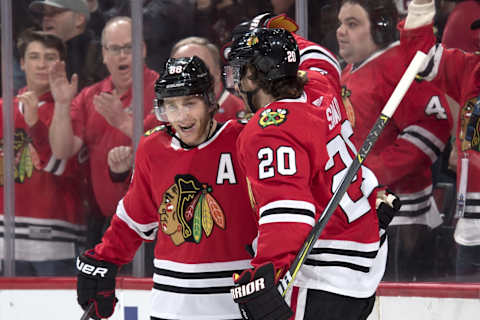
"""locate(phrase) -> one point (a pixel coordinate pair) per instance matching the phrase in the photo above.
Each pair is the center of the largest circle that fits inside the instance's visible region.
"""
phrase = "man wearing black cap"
(68, 19)
(458, 74)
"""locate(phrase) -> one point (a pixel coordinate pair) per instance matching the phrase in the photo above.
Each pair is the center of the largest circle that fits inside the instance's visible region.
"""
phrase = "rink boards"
(55, 299)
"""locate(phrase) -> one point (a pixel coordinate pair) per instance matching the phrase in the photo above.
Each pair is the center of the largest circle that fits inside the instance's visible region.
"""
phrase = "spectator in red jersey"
(229, 104)
(100, 116)
(48, 190)
(411, 141)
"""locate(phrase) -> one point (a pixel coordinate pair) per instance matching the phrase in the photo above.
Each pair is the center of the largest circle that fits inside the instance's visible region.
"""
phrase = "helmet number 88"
(285, 160)
(175, 69)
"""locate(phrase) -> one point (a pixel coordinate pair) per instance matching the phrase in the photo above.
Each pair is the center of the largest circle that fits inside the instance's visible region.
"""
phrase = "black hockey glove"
(257, 295)
(388, 204)
(96, 284)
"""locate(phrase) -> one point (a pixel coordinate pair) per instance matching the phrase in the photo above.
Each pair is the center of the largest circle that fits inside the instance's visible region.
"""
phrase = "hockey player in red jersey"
(188, 192)
(48, 191)
(410, 143)
(457, 73)
(294, 154)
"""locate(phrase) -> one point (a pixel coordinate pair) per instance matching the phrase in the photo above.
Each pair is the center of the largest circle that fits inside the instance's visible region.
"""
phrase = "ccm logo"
(92, 270)
(247, 289)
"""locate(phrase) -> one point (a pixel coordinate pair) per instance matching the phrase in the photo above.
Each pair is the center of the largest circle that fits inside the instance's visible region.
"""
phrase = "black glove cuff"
(96, 269)
(268, 306)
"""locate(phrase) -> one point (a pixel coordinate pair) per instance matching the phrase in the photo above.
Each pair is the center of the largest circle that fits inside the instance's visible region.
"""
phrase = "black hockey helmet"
(183, 77)
(273, 52)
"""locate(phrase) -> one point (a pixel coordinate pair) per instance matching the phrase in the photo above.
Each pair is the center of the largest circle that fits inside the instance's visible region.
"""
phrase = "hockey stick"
(387, 112)
(88, 312)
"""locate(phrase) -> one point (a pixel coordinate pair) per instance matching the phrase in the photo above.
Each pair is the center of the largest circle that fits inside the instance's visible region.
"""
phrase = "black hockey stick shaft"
(387, 112)
(88, 312)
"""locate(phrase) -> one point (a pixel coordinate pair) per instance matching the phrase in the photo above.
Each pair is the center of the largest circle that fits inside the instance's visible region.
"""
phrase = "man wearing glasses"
(67, 19)
(100, 117)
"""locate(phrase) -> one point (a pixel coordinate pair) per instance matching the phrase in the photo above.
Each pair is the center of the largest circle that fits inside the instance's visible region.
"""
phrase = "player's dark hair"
(47, 39)
(383, 17)
(285, 88)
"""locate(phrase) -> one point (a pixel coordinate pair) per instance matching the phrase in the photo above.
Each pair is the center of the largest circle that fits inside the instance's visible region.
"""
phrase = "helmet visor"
(171, 108)
(233, 73)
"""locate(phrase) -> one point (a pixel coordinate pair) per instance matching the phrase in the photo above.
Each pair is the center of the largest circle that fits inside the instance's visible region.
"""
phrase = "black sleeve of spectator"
(119, 177)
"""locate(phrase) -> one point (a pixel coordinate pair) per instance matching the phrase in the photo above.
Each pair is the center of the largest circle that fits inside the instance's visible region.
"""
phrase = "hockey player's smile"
(187, 128)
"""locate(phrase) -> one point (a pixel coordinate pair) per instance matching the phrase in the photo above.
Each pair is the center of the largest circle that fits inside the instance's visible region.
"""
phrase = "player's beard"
(249, 98)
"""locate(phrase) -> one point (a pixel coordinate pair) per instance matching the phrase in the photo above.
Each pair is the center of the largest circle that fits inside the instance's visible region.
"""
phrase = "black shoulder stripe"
(304, 212)
(321, 53)
(343, 264)
(425, 141)
(351, 253)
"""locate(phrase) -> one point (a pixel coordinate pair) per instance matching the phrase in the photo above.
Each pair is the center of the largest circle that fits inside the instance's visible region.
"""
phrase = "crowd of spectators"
(73, 116)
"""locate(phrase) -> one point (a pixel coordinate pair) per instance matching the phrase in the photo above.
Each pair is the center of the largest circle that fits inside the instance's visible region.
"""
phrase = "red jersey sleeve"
(451, 70)
(424, 122)
(317, 58)
(78, 114)
(136, 218)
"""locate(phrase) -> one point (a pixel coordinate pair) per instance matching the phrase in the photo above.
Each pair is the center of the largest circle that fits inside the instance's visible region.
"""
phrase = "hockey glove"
(257, 295)
(96, 284)
(388, 204)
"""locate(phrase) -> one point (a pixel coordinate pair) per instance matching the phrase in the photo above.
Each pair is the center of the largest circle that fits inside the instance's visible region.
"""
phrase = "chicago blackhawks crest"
(271, 117)
(470, 125)
(188, 211)
(26, 157)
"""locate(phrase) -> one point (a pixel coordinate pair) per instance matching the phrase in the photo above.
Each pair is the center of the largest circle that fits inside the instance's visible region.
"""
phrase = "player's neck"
(264, 99)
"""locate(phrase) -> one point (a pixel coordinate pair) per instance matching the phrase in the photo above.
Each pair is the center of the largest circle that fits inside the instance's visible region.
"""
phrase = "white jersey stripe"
(202, 267)
(420, 145)
(339, 279)
(426, 134)
(146, 231)
(287, 217)
(294, 204)
(347, 245)
(317, 52)
(361, 261)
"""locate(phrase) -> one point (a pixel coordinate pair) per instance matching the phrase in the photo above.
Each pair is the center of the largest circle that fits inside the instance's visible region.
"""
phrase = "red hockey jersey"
(457, 73)
(294, 159)
(295, 153)
(411, 141)
(197, 200)
(48, 191)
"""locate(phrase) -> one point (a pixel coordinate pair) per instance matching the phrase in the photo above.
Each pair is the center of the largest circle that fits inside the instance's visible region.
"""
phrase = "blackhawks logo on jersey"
(346, 93)
(26, 157)
(253, 202)
(470, 125)
(188, 211)
(153, 130)
(271, 117)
